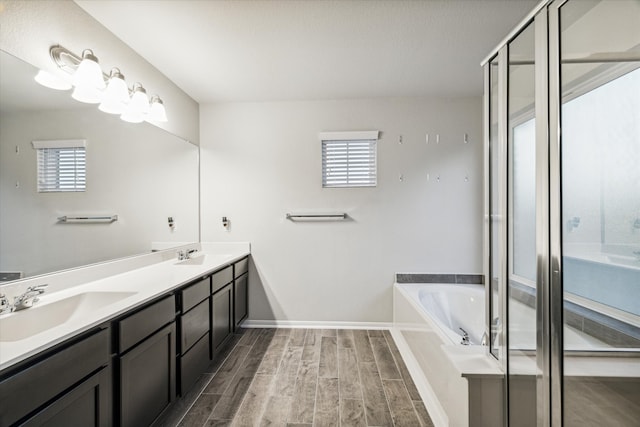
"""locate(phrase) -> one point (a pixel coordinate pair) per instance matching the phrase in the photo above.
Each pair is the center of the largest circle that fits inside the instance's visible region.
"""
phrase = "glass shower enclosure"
(562, 137)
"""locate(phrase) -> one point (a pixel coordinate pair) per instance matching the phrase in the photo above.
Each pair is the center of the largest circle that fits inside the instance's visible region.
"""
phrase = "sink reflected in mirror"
(39, 318)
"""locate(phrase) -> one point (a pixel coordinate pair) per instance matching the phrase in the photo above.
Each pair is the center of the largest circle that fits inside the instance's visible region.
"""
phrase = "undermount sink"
(39, 318)
(201, 259)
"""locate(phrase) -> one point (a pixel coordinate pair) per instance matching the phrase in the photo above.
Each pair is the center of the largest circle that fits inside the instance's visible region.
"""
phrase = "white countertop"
(145, 284)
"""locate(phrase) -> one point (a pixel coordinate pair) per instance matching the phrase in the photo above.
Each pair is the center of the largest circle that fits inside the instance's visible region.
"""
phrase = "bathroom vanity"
(122, 362)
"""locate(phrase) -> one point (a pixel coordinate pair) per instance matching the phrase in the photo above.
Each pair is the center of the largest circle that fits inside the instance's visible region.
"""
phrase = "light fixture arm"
(68, 61)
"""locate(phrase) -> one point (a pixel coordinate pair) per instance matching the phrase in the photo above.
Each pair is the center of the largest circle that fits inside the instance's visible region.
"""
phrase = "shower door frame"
(555, 305)
(549, 292)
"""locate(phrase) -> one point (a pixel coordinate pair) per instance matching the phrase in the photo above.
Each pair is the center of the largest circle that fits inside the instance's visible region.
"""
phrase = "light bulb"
(157, 113)
(52, 81)
(88, 74)
(87, 94)
(138, 105)
(116, 96)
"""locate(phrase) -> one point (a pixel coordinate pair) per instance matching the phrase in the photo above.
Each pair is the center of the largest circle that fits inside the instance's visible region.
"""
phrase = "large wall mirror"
(138, 172)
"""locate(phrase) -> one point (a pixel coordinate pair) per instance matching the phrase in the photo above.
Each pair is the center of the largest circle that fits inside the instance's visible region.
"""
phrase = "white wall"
(139, 172)
(262, 160)
(29, 28)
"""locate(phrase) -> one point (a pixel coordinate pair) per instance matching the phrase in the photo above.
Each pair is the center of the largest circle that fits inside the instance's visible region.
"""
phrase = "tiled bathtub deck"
(304, 377)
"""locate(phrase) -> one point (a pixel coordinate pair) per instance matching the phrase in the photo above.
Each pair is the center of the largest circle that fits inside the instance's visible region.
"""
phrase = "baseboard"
(310, 324)
(436, 411)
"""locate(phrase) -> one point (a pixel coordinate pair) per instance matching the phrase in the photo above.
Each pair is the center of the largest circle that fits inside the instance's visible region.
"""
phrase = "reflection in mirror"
(138, 172)
(600, 187)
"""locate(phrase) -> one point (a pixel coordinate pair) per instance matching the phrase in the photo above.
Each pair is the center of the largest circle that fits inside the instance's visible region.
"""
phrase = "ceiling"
(272, 50)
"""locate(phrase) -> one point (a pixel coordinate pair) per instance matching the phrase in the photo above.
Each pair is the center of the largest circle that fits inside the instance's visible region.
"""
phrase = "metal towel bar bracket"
(317, 216)
(91, 219)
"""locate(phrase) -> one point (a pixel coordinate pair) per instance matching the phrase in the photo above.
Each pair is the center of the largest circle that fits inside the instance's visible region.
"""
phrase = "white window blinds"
(349, 159)
(61, 165)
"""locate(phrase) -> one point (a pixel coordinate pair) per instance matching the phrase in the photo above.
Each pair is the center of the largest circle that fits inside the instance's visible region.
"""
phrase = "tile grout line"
(338, 369)
(253, 378)
(296, 381)
(272, 392)
(355, 352)
(315, 397)
(384, 391)
(222, 393)
(401, 377)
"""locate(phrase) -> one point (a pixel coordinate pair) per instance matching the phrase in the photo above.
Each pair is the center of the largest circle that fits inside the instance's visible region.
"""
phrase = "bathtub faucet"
(485, 339)
(465, 337)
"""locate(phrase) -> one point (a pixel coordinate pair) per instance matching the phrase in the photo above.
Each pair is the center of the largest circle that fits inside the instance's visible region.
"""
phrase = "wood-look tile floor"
(303, 377)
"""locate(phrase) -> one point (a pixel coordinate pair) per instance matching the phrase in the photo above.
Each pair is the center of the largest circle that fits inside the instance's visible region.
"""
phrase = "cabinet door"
(87, 404)
(193, 325)
(57, 370)
(240, 294)
(221, 324)
(193, 364)
(147, 378)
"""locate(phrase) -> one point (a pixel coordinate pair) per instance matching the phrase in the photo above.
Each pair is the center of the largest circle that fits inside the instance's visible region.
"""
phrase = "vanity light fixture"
(116, 96)
(88, 74)
(86, 94)
(92, 86)
(138, 106)
(157, 112)
(52, 81)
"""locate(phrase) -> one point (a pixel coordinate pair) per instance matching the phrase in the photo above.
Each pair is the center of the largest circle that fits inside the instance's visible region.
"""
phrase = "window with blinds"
(349, 163)
(61, 166)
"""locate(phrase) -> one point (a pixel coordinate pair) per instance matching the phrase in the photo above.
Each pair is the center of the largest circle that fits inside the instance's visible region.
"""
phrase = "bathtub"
(461, 385)
(453, 308)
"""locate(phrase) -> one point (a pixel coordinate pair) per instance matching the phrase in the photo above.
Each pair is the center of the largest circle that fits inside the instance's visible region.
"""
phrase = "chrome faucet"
(4, 304)
(28, 298)
(186, 254)
(189, 253)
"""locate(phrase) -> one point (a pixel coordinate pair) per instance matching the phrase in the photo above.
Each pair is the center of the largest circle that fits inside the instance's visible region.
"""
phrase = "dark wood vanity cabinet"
(69, 384)
(240, 291)
(145, 363)
(126, 372)
(210, 309)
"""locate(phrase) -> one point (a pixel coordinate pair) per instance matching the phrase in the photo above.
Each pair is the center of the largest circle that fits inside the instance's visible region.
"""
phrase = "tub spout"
(465, 337)
(485, 339)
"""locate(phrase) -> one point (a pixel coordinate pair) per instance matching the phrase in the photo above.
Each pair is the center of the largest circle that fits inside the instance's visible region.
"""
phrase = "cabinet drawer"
(143, 323)
(193, 325)
(29, 389)
(193, 294)
(193, 364)
(240, 267)
(221, 278)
